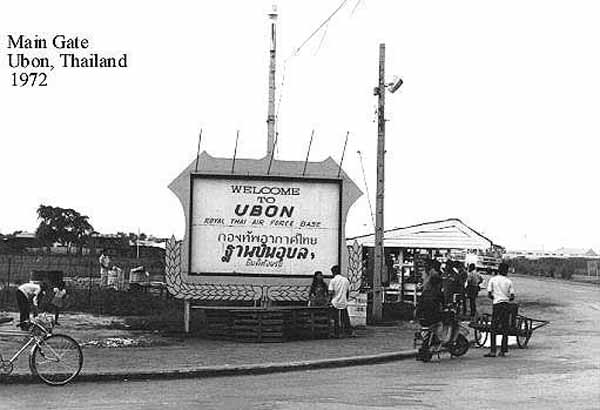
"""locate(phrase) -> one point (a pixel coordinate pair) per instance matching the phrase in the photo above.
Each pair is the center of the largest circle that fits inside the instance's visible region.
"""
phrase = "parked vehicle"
(428, 343)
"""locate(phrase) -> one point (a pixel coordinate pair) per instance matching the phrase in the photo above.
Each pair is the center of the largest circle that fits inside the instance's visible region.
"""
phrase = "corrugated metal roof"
(446, 234)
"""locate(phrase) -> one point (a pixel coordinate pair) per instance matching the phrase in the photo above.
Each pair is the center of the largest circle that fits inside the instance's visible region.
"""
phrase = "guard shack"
(255, 234)
(407, 249)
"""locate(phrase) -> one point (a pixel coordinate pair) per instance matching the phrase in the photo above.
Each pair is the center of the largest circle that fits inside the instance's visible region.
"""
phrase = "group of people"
(335, 294)
(459, 285)
(435, 296)
(29, 296)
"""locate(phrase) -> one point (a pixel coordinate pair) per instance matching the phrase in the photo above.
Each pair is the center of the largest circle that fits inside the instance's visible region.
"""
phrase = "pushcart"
(521, 327)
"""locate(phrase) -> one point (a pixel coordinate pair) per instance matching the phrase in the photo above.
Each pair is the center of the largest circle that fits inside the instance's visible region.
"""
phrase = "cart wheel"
(480, 337)
(524, 333)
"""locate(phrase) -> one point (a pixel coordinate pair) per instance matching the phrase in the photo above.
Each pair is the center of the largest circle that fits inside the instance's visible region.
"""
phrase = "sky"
(496, 123)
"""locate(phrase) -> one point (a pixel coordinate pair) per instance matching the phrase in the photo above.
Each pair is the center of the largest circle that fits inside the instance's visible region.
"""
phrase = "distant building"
(576, 252)
(19, 241)
(559, 253)
(408, 248)
(122, 246)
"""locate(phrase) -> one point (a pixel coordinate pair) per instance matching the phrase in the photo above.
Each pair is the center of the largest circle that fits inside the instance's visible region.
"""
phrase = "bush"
(111, 302)
(105, 302)
(549, 267)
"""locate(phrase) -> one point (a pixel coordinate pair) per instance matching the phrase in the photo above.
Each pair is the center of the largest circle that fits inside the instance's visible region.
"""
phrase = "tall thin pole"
(343, 153)
(198, 150)
(8, 277)
(90, 281)
(312, 134)
(271, 109)
(237, 137)
(272, 153)
(379, 252)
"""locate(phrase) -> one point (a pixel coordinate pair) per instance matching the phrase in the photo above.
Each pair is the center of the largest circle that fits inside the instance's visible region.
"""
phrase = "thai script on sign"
(250, 236)
(264, 251)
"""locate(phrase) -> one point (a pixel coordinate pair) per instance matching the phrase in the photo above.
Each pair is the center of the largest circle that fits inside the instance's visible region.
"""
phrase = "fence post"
(8, 279)
(90, 281)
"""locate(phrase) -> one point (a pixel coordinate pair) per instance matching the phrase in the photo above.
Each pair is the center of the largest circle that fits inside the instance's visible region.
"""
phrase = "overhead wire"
(325, 24)
(362, 167)
(322, 40)
(321, 26)
(355, 7)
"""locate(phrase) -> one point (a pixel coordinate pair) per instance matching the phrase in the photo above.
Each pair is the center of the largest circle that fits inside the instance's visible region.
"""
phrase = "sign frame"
(278, 178)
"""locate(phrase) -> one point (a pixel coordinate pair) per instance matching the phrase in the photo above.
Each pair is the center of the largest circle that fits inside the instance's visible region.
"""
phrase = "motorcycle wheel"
(459, 347)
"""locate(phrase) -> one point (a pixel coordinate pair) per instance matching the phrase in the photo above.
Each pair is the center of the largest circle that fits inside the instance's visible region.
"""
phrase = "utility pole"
(379, 265)
(271, 110)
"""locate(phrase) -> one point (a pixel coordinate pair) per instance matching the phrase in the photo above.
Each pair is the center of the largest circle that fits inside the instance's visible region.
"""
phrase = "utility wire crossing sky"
(496, 123)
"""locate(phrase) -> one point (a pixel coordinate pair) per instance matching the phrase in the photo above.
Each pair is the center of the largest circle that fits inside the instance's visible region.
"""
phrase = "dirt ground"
(559, 370)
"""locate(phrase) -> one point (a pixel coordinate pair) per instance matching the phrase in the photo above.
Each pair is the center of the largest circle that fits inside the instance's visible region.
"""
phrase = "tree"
(64, 226)
(133, 237)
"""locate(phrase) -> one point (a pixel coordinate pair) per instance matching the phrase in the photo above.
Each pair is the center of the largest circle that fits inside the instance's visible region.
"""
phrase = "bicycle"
(55, 359)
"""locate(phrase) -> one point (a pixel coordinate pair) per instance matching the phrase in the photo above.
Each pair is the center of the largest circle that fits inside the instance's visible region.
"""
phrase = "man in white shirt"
(501, 291)
(339, 289)
(27, 294)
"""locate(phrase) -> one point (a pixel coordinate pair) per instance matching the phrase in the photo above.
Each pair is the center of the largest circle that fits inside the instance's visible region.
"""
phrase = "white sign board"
(274, 227)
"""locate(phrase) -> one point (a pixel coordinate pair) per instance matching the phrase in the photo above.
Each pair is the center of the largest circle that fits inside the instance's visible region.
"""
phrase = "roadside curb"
(226, 370)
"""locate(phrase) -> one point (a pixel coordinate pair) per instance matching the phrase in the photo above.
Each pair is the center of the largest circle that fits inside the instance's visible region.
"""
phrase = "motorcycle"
(428, 343)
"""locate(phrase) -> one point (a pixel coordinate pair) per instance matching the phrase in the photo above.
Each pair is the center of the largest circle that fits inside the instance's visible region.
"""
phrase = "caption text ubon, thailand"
(33, 59)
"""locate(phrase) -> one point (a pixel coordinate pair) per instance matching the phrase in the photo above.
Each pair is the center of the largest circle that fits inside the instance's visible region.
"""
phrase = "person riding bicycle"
(431, 312)
(430, 306)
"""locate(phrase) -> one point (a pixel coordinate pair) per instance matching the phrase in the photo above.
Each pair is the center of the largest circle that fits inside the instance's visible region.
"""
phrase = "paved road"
(560, 370)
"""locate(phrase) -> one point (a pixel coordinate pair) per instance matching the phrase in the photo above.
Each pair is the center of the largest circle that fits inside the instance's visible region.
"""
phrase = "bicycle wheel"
(459, 347)
(56, 360)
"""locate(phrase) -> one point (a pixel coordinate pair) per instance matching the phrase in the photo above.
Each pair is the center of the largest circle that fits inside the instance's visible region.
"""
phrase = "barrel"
(138, 275)
(357, 310)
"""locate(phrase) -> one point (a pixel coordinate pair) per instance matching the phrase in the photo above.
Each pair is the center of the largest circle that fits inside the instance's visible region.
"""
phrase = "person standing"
(58, 300)
(501, 291)
(473, 281)
(318, 294)
(448, 281)
(339, 289)
(432, 269)
(459, 297)
(28, 295)
(104, 268)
